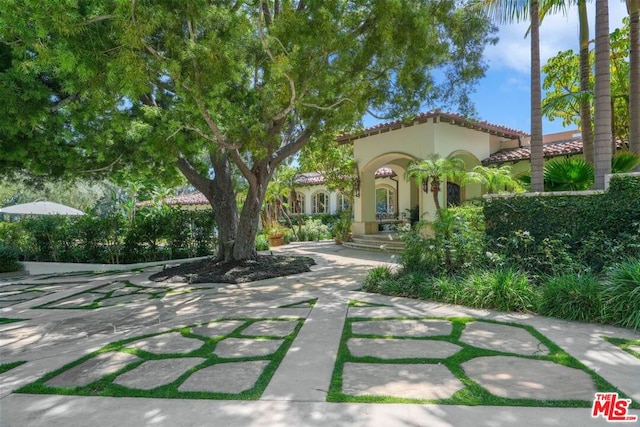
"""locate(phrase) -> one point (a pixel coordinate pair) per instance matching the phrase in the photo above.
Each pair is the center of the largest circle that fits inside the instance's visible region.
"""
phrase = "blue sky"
(503, 96)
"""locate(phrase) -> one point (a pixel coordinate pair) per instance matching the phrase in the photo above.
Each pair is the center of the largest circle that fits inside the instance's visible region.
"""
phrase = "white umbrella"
(41, 208)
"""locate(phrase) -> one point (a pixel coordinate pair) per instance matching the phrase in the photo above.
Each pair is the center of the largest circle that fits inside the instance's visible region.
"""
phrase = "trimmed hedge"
(154, 235)
(613, 213)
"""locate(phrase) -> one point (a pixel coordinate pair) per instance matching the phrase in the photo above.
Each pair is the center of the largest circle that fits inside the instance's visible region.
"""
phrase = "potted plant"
(275, 232)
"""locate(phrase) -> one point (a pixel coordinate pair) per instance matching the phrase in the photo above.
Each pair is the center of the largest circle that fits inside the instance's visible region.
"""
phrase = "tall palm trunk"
(603, 114)
(633, 7)
(585, 77)
(537, 179)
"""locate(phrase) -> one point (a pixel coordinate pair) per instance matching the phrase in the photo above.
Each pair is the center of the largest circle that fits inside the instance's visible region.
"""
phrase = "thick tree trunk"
(633, 7)
(585, 77)
(537, 155)
(603, 114)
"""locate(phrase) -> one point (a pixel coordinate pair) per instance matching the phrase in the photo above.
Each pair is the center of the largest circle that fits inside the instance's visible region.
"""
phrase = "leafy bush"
(573, 297)
(613, 213)
(312, 230)
(262, 242)
(621, 294)
(505, 289)
(9, 259)
(154, 234)
(457, 242)
(376, 277)
(550, 256)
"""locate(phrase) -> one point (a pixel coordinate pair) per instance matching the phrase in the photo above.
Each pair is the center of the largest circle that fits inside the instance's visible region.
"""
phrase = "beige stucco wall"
(395, 148)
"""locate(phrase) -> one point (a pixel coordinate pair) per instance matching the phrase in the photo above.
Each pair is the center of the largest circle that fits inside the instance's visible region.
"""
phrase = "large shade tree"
(217, 87)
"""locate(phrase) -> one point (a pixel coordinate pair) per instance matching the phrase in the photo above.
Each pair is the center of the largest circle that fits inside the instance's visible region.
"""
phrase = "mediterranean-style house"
(383, 197)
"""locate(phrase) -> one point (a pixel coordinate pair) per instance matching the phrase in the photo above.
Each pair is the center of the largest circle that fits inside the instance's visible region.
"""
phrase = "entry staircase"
(381, 242)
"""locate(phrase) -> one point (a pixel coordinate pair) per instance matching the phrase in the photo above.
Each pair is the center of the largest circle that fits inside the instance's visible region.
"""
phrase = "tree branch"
(202, 183)
(330, 107)
(63, 102)
(265, 12)
(290, 149)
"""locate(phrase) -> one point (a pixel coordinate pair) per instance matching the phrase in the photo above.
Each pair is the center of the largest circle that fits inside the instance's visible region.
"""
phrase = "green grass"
(7, 320)
(625, 344)
(357, 303)
(472, 394)
(105, 386)
(96, 303)
(302, 304)
(8, 366)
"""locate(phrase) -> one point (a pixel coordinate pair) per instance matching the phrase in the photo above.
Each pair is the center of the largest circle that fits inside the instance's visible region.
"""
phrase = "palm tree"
(436, 169)
(633, 7)
(602, 120)
(494, 179)
(624, 161)
(572, 174)
(507, 11)
(550, 6)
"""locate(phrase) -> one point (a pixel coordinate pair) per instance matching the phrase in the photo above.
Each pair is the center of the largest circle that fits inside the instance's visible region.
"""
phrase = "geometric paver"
(239, 347)
(270, 328)
(401, 349)
(215, 329)
(234, 377)
(515, 377)
(510, 339)
(155, 373)
(92, 370)
(167, 344)
(122, 299)
(402, 328)
(412, 381)
(75, 301)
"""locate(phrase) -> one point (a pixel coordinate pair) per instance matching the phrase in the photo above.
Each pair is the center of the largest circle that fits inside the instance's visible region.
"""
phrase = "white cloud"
(557, 33)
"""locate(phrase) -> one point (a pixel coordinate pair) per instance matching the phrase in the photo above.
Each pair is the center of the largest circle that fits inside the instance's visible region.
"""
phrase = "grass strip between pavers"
(625, 344)
(8, 366)
(473, 394)
(105, 386)
(8, 320)
(95, 304)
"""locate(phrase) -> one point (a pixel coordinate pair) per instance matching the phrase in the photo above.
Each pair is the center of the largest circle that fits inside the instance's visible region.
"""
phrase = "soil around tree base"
(209, 271)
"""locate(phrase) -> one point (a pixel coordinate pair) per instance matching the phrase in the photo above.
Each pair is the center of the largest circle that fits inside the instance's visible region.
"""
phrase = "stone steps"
(381, 242)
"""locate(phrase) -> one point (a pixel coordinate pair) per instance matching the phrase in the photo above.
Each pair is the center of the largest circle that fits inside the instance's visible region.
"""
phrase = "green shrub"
(376, 277)
(505, 289)
(621, 294)
(262, 242)
(9, 260)
(572, 297)
(154, 234)
(457, 243)
(615, 212)
(521, 251)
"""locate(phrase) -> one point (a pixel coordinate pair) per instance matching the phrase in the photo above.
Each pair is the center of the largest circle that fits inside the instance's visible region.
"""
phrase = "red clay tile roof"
(184, 200)
(454, 119)
(314, 178)
(553, 149)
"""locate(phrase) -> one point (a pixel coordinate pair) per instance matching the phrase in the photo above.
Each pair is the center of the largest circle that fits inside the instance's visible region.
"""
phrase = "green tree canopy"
(562, 84)
(221, 86)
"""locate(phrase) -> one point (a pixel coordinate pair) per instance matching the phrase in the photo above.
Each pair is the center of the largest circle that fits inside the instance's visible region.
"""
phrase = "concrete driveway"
(102, 348)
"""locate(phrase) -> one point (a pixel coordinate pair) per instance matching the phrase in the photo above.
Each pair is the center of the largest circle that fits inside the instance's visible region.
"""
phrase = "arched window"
(320, 203)
(385, 200)
(298, 204)
(343, 202)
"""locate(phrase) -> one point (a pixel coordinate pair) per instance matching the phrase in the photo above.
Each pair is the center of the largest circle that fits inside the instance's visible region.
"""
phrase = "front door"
(453, 194)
